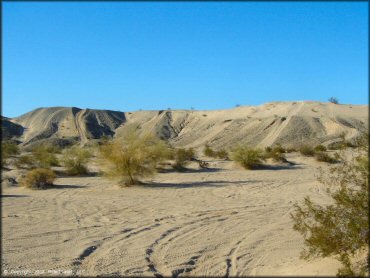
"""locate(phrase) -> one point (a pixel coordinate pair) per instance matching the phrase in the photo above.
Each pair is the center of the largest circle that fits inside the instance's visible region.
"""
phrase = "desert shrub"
(133, 157)
(247, 157)
(38, 178)
(324, 157)
(340, 229)
(75, 160)
(306, 150)
(333, 100)
(290, 150)
(8, 149)
(276, 153)
(279, 148)
(268, 149)
(208, 151)
(44, 156)
(223, 154)
(182, 157)
(25, 161)
(320, 148)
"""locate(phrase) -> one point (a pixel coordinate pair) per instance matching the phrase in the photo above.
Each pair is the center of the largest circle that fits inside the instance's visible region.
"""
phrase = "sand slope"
(288, 123)
(224, 221)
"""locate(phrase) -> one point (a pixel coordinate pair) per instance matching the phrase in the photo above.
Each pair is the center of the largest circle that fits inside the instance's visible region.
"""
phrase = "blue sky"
(156, 55)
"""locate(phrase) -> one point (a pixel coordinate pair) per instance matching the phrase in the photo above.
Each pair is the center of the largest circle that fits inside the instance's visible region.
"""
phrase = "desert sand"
(224, 221)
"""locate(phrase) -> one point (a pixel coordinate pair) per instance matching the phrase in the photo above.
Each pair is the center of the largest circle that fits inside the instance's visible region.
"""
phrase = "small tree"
(75, 160)
(340, 229)
(133, 157)
(247, 157)
(38, 179)
(333, 100)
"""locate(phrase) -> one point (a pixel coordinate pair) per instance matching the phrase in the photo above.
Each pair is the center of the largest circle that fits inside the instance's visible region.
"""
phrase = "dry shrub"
(320, 148)
(341, 229)
(132, 156)
(8, 149)
(324, 157)
(247, 157)
(182, 157)
(25, 161)
(276, 153)
(44, 156)
(75, 160)
(223, 154)
(307, 150)
(38, 178)
(208, 151)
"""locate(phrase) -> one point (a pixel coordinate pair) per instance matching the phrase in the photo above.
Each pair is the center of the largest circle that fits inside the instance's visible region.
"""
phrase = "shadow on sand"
(64, 186)
(13, 196)
(186, 170)
(196, 184)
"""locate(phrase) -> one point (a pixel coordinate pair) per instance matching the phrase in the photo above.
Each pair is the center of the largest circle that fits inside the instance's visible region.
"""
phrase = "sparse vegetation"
(333, 100)
(276, 153)
(247, 157)
(38, 178)
(8, 149)
(182, 157)
(320, 148)
(324, 157)
(307, 150)
(208, 151)
(25, 161)
(133, 157)
(44, 156)
(75, 160)
(340, 229)
(223, 154)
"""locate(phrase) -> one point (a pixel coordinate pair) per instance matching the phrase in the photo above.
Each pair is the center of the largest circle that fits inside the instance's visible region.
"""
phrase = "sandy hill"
(65, 123)
(286, 123)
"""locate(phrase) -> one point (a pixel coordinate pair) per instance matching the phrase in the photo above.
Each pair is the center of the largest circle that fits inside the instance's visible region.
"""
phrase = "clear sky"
(156, 55)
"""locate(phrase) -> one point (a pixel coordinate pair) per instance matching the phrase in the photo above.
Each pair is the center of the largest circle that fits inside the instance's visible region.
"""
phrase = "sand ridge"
(290, 124)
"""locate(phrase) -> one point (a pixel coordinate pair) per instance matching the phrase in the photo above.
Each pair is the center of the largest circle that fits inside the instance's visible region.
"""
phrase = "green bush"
(133, 156)
(307, 150)
(38, 179)
(75, 160)
(247, 157)
(182, 157)
(340, 229)
(320, 148)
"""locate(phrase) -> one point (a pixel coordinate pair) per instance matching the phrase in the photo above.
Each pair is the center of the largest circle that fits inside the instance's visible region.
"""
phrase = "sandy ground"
(225, 221)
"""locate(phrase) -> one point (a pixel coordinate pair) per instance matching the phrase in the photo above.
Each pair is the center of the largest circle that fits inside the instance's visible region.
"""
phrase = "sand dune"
(288, 123)
(222, 222)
